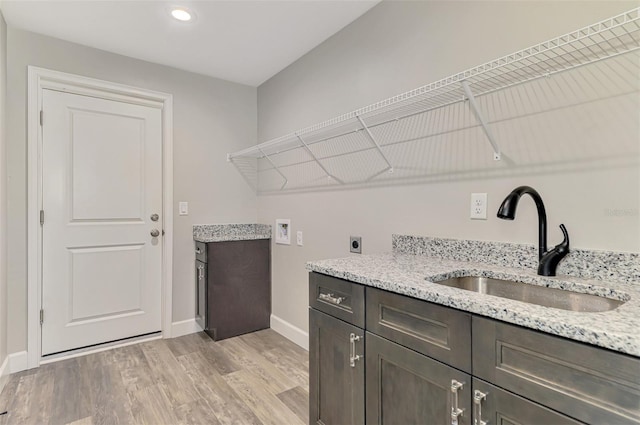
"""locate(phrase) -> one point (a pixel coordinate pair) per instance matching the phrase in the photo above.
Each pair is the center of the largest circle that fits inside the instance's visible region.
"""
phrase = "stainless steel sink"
(533, 294)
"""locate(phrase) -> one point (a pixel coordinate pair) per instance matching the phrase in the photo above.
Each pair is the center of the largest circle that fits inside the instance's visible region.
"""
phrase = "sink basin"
(533, 294)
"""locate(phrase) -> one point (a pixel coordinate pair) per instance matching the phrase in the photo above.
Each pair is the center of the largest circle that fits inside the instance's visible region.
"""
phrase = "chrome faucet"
(547, 260)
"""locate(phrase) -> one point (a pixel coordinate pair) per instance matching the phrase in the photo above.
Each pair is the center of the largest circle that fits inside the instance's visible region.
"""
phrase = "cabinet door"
(498, 407)
(238, 287)
(336, 383)
(201, 294)
(405, 387)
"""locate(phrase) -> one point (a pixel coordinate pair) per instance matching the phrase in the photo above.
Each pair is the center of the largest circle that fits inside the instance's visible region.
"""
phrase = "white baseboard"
(18, 361)
(4, 373)
(291, 332)
(184, 327)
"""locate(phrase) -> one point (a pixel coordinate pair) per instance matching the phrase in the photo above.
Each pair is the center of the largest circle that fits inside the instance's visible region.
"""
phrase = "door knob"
(155, 217)
(155, 233)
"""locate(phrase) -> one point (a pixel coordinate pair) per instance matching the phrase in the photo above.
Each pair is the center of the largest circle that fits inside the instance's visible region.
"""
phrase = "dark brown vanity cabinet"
(233, 287)
(381, 358)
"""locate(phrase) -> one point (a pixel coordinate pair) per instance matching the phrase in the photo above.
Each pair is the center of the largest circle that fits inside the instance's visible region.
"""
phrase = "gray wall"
(3, 190)
(211, 117)
(398, 46)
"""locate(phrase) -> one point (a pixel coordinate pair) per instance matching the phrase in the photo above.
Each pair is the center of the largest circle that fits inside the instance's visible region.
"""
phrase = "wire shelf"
(362, 136)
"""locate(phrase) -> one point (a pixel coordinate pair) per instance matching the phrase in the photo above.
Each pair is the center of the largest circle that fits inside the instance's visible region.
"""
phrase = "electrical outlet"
(355, 244)
(478, 206)
(299, 237)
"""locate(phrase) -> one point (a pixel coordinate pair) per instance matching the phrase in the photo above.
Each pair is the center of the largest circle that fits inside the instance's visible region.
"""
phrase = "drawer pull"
(353, 357)
(455, 410)
(478, 396)
(330, 298)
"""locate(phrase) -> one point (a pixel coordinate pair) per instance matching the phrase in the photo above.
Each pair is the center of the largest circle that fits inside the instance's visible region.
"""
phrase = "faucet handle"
(550, 260)
(564, 245)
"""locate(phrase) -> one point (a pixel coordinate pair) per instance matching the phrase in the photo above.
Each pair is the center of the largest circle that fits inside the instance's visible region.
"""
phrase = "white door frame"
(38, 80)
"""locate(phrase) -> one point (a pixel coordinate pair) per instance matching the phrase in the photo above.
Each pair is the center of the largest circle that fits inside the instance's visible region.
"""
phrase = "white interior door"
(102, 181)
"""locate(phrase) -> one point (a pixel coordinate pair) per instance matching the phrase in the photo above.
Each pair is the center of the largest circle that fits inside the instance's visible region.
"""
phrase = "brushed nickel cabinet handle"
(478, 397)
(330, 298)
(455, 410)
(353, 357)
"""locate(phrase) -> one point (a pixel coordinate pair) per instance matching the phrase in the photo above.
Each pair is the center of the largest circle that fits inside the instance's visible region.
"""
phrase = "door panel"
(102, 180)
(98, 290)
(107, 165)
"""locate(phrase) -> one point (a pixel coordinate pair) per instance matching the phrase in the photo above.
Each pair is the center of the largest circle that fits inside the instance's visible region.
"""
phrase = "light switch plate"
(183, 208)
(299, 237)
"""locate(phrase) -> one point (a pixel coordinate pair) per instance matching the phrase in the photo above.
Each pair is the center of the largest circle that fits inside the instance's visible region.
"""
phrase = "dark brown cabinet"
(233, 287)
(429, 364)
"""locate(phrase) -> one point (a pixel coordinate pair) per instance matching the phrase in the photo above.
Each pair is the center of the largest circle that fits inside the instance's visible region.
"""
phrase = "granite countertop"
(230, 232)
(413, 275)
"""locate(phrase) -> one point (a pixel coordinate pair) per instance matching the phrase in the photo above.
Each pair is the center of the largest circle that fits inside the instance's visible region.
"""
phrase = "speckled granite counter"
(413, 275)
(230, 232)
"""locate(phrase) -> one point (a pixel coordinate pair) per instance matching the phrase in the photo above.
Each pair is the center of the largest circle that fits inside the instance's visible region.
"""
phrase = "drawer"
(338, 298)
(201, 251)
(591, 384)
(439, 332)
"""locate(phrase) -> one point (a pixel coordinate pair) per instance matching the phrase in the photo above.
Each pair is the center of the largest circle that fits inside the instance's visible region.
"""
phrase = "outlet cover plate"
(355, 244)
(478, 206)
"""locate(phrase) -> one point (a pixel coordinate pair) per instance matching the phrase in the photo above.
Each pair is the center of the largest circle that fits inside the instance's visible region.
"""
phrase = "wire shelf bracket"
(275, 167)
(315, 158)
(378, 148)
(497, 155)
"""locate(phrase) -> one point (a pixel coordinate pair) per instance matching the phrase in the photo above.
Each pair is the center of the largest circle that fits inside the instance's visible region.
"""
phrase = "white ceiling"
(245, 41)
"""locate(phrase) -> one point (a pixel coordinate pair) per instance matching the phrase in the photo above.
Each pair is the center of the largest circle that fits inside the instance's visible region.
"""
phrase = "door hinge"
(41, 116)
(41, 217)
(41, 317)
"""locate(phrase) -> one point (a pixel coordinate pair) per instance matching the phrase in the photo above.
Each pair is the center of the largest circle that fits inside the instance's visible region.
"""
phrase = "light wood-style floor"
(258, 378)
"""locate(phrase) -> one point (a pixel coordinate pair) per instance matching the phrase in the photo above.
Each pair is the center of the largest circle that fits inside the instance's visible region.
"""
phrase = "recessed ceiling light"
(181, 14)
